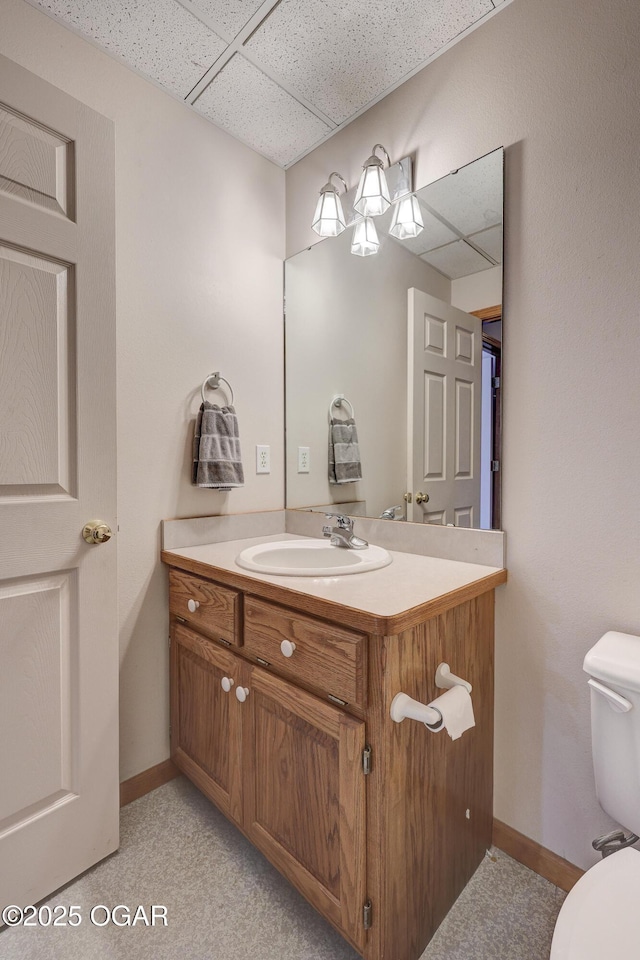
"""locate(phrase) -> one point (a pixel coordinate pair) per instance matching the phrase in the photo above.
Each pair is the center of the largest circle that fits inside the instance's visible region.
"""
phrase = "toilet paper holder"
(445, 680)
(405, 707)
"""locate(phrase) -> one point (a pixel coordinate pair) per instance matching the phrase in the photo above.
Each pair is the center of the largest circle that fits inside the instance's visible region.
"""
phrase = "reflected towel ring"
(338, 401)
(213, 382)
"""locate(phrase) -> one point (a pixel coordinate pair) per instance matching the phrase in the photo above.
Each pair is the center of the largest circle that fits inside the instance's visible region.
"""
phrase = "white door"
(444, 408)
(58, 617)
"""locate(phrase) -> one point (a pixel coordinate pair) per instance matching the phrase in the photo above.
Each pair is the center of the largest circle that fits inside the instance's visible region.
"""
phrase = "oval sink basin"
(311, 558)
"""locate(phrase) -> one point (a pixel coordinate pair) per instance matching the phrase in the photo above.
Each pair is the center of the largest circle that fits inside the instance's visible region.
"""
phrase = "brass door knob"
(96, 531)
(422, 498)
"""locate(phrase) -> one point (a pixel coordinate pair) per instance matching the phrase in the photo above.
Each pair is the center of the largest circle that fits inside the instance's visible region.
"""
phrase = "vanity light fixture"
(407, 219)
(328, 220)
(372, 195)
(365, 238)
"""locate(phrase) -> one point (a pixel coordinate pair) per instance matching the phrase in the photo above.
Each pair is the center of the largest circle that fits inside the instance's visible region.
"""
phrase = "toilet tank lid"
(616, 658)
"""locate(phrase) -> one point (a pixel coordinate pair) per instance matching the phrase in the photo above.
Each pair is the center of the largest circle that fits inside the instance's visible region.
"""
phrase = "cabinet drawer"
(323, 656)
(215, 609)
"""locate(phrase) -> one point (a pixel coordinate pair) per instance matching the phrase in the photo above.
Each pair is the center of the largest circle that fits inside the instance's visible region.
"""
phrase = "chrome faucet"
(342, 534)
(390, 513)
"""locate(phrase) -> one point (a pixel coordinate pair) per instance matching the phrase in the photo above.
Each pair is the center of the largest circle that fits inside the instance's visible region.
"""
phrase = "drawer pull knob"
(242, 693)
(193, 605)
(226, 683)
(287, 647)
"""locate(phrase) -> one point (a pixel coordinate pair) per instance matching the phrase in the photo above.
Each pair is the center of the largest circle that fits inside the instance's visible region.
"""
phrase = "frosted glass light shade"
(407, 219)
(328, 220)
(365, 239)
(372, 195)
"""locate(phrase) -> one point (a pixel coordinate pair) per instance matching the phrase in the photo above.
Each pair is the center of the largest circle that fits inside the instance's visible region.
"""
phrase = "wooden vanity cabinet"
(379, 825)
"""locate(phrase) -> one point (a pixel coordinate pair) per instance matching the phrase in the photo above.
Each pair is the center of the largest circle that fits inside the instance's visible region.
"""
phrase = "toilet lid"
(599, 918)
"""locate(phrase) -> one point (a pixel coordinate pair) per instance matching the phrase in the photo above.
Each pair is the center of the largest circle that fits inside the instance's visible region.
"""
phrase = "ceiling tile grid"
(252, 107)
(490, 242)
(342, 55)
(229, 16)
(457, 260)
(311, 65)
(159, 38)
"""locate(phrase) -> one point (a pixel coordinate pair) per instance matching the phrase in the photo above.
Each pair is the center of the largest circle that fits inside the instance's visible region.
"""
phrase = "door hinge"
(366, 915)
(366, 759)
(263, 663)
(181, 620)
(495, 466)
(495, 382)
(169, 640)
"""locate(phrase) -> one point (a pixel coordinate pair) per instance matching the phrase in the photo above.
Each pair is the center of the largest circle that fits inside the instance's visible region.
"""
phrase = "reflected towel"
(217, 461)
(344, 452)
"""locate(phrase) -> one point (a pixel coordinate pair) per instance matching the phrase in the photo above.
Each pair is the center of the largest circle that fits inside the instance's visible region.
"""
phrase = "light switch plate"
(263, 458)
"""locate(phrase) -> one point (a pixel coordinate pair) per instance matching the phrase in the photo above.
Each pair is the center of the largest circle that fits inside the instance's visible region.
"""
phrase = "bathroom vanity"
(280, 697)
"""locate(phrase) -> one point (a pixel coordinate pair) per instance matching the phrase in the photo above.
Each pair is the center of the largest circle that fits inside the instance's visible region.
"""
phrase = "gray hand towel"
(217, 461)
(344, 453)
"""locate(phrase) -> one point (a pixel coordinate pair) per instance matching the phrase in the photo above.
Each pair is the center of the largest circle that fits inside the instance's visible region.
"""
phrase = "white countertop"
(409, 581)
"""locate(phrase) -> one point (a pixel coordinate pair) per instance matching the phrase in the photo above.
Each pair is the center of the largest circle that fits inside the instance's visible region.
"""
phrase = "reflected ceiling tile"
(157, 37)
(435, 234)
(476, 202)
(341, 54)
(254, 108)
(230, 15)
(490, 241)
(457, 260)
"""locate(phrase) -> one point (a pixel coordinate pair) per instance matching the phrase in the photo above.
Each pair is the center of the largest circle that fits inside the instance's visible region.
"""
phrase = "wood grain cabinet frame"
(379, 825)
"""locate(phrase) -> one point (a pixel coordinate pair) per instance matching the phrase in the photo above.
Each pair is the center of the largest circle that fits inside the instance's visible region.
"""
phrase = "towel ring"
(338, 401)
(213, 382)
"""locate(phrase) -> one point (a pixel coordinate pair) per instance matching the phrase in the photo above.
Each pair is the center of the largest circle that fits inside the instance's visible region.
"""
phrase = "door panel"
(305, 796)
(205, 719)
(37, 442)
(58, 618)
(444, 411)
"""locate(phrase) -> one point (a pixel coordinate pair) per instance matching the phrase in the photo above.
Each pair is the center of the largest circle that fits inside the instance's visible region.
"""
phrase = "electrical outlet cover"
(304, 459)
(263, 458)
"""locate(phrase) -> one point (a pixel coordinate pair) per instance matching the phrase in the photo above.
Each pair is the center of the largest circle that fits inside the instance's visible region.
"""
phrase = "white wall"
(195, 293)
(558, 83)
(346, 332)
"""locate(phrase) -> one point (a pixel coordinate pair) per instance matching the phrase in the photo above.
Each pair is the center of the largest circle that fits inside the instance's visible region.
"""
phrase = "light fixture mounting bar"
(399, 179)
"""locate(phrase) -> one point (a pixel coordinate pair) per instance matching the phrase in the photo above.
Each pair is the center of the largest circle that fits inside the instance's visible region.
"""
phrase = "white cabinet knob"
(193, 605)
(287, 647)
(242, 693)
(226, 683)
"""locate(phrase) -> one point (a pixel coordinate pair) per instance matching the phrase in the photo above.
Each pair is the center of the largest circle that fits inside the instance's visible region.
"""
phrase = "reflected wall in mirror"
(412, 338)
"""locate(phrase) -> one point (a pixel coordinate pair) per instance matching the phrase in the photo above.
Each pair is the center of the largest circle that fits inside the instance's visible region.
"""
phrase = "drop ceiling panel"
(157, 37)
(490, 241)
(252, 107)
(457, 260)
(229, 15)
(341, 55)
(476, 203)
(435, 234)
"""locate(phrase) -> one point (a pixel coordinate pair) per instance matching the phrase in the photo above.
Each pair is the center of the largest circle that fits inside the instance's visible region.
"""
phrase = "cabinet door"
(305, 796)
(206, 738)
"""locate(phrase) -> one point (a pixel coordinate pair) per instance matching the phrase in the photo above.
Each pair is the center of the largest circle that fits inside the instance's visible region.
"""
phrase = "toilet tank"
(614, 666)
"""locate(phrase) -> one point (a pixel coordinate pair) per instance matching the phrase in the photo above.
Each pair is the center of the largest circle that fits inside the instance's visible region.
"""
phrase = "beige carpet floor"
(225, 902)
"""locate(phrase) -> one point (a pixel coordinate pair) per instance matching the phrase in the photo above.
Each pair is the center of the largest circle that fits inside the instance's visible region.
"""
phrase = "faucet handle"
(345, 523)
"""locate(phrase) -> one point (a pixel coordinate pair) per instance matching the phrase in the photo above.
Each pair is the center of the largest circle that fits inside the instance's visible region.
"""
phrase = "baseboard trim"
(542, 861)
(148, 780)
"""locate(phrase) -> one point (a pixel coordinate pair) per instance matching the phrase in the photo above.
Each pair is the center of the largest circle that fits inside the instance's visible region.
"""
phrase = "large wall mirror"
(411, 338)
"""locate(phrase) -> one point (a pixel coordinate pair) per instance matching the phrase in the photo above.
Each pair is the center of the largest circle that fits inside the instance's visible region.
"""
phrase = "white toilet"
(600, 917)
